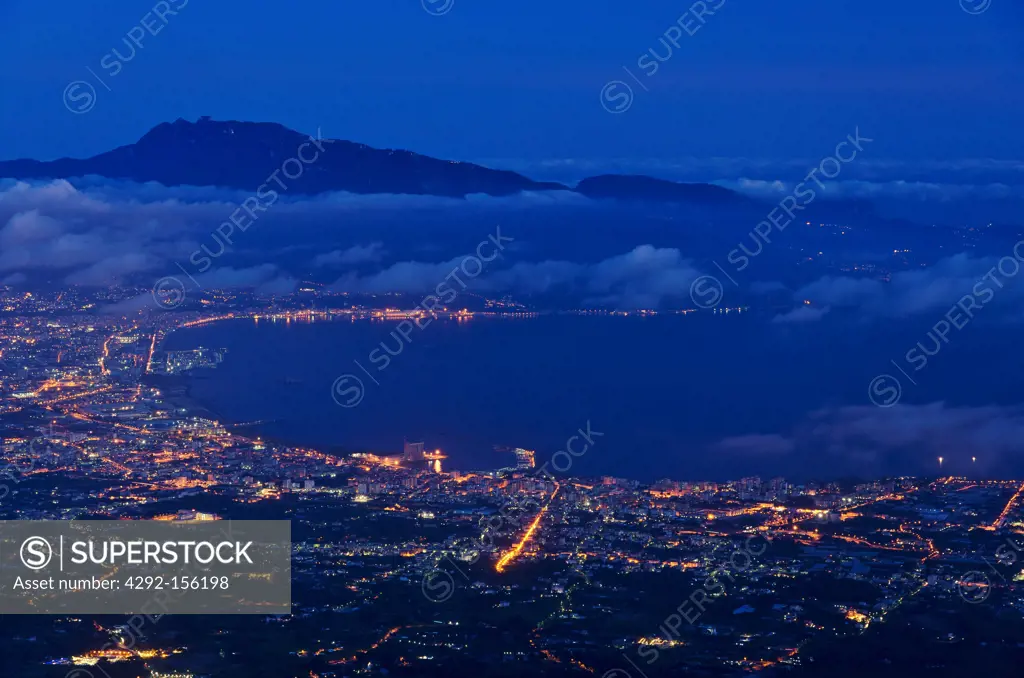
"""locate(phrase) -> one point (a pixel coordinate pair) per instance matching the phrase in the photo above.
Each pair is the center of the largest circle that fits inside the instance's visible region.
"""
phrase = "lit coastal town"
(401, 564)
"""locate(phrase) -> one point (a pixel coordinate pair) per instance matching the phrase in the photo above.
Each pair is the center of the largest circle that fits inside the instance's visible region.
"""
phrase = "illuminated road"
(1009, 507)
(514, 552)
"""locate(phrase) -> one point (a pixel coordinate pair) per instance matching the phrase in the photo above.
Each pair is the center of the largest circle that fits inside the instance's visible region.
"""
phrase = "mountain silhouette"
(246, 155)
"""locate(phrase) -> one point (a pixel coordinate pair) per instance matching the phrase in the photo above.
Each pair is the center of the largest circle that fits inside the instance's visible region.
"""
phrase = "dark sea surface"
(662, 390)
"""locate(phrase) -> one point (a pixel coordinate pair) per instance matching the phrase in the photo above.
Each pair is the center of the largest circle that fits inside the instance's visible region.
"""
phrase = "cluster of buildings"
(555, 572)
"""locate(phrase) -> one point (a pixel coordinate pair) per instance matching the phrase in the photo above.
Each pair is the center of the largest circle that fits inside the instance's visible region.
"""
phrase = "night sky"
(520, 82)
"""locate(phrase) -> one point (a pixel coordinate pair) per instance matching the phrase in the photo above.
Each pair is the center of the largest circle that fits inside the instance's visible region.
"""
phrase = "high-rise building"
(413, 452)
(525, 459)
(751, 484)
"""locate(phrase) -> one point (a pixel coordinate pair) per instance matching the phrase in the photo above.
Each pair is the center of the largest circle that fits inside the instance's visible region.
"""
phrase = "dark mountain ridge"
(244, 155)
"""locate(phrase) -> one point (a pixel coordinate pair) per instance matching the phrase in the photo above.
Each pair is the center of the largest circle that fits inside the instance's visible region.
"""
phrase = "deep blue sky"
(522, 79)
